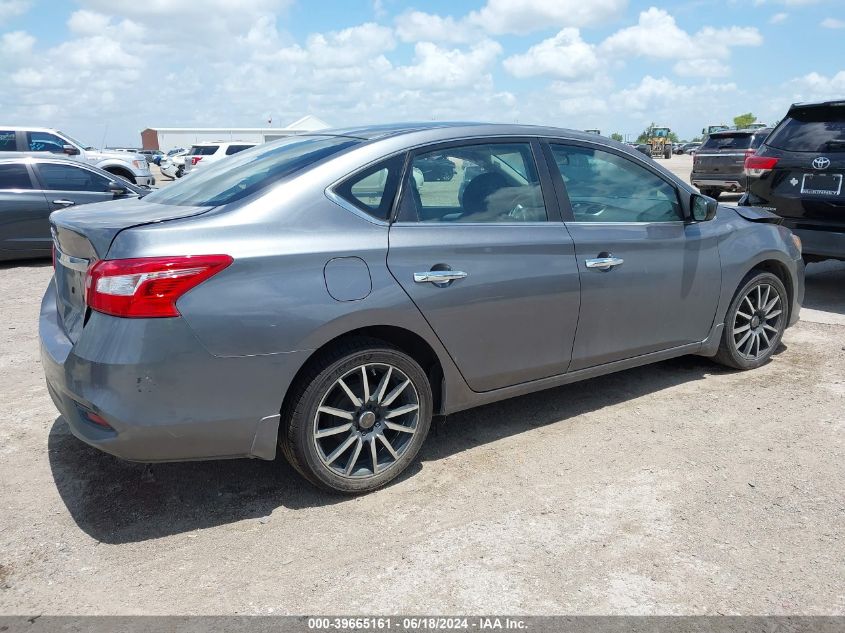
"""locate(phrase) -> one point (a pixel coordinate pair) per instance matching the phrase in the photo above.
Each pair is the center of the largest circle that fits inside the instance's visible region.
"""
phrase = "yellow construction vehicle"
(659, 142)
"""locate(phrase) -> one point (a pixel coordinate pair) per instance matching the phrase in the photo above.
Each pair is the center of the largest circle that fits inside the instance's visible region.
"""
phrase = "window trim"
(563, 194)
(29, 172)
(391, 183)
(550, 200)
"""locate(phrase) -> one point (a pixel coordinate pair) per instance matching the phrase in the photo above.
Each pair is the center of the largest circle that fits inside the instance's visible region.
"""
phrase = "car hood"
(104, 154)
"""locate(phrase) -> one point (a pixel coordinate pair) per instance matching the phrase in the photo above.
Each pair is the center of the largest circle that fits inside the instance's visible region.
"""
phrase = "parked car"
(797, 172)
(32, 188)
(437, 168)
(642, 148)
(152, 155)
(36, 141)
(692, 148)
(207, 153)
(271, 300)
(719, 165)
(173, 165)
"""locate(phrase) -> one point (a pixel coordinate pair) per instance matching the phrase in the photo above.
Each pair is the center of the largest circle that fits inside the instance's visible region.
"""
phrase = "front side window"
(7, 141)
(14, 177)
(71, 178)
(478, 183)
(605, 187)
(45, 142)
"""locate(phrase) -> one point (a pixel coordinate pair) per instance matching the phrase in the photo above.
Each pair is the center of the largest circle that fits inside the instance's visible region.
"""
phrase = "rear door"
(24, 211)
(649, 282)
(67, 184)
(484, 256)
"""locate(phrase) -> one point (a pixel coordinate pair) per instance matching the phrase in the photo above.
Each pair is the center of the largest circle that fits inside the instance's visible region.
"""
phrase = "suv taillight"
(759, 165)
(147, 287)
(195, 159)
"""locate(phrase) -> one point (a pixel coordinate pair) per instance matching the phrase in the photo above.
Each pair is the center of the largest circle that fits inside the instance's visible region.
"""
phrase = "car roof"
(27, 128)
(726, 133)
(201, 143)
(455, 129)
(816, 104)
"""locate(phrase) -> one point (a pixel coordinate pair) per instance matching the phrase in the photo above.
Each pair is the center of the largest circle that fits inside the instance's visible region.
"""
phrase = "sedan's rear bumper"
(161, 394)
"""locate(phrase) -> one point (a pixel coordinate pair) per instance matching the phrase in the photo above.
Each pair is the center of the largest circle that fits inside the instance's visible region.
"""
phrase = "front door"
(484, 256)
(649, 281)
(66, 184)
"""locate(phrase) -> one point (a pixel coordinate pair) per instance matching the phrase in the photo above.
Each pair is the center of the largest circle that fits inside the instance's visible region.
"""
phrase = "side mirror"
(116, 188)
(70, 150)
(702, 208)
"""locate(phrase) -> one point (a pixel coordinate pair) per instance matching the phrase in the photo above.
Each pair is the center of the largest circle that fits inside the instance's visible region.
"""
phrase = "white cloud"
(415, 26)
(817, 87)
(778, 18)
(13, 8)
(15, 44)
(564, 56)
(441, 68)
(656, 35)
(526, 16)
(833, 23)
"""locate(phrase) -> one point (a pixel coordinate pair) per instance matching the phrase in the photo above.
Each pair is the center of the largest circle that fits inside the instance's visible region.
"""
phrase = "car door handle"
(64, 203)
(604, 263)
(438, 276)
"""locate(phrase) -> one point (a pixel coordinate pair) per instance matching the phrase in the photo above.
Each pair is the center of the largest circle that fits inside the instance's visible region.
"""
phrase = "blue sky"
(102, 70)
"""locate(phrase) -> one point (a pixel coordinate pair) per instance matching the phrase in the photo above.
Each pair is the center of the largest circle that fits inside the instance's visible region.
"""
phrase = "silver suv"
(206, 153)
(36, 141)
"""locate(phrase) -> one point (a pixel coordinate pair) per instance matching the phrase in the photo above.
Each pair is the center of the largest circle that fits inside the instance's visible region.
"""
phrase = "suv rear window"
(7, 141)
(234, 149)
(727, 141)
(811, 130)
(203, 150)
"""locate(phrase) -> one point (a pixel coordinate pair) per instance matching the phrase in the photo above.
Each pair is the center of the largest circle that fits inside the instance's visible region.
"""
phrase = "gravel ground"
(679, 488)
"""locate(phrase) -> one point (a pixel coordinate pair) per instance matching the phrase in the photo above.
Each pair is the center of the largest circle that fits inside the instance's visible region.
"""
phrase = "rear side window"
(7, 141)
(811, 130)
(373, 190)
(234, 149)
(14, 177)
(70, 178)
(727, 141)
(203, 150)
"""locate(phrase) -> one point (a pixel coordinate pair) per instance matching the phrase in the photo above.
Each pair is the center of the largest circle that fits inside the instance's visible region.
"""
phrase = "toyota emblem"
(821, 163)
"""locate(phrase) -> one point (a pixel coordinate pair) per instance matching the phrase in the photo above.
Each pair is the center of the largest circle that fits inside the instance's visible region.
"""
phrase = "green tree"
(616, 136)
(744, 120)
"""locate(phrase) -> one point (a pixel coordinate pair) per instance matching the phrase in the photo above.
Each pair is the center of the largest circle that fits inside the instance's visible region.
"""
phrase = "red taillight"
(147, 287)
(195, 159)
(759, 165)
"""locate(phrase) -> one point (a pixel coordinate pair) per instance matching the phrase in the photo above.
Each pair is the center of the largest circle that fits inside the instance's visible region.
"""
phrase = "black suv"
(719, 164)
(798, 172)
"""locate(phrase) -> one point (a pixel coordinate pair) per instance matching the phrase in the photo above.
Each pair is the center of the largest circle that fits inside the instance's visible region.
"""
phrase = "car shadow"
(39, 262)
(115, 501)
(825, 287)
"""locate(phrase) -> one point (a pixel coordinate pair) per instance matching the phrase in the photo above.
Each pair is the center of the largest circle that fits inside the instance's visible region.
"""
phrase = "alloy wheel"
(366, 420)
(757, 323)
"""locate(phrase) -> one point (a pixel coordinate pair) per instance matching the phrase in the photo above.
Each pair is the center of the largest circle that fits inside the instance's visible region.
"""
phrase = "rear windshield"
(811, 130)
(250, 171)
(203, 150)
(727, 141)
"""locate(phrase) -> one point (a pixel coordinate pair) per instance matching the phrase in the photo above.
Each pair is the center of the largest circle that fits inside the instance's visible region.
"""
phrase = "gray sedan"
(32, 188)
(309, 296)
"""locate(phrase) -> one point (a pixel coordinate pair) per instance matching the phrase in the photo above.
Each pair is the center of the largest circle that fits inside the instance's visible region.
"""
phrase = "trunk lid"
(84, 235)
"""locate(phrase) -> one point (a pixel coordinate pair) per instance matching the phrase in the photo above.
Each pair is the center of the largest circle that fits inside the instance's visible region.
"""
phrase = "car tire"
(371, 451)
(757, 314)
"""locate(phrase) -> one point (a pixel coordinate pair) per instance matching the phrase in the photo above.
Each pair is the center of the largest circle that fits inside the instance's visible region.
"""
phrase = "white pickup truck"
(35, 141)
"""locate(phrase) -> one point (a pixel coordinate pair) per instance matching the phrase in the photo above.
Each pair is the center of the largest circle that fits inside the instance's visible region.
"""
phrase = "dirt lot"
(676, 488)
